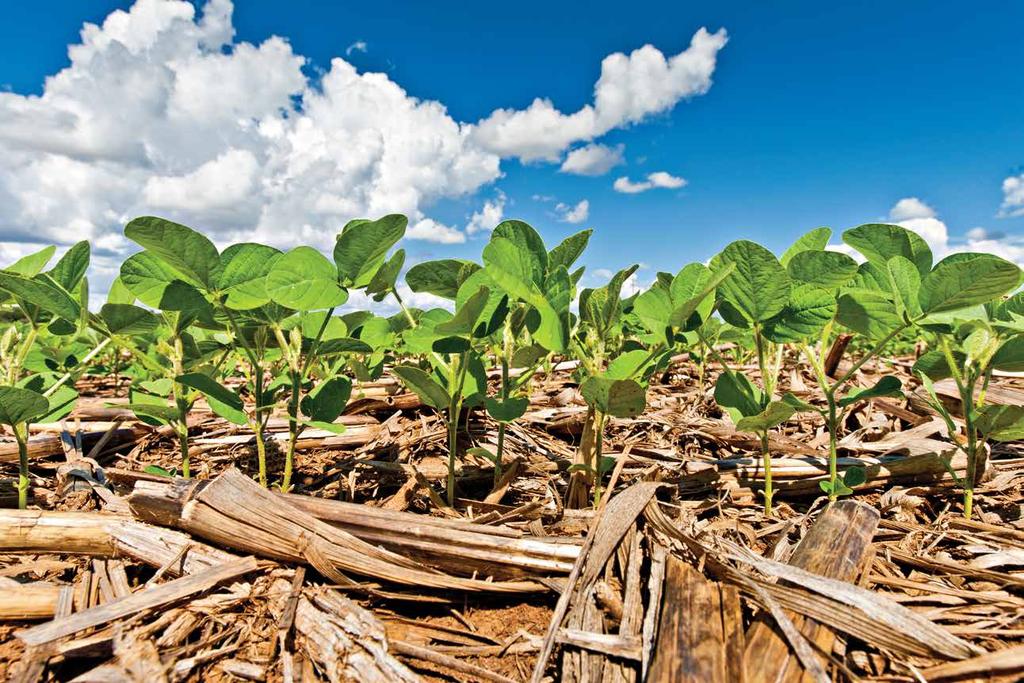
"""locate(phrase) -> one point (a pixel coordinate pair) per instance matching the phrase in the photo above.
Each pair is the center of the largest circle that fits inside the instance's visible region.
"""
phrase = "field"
(804, 466)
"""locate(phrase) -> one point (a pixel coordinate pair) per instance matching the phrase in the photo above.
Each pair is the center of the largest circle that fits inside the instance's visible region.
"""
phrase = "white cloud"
(592, 160)
(574, 214)
(162, 111)
(630, 89)
(910, 208)
(358, 46)
(916, 215)
(489, 215)
(658, 179)
(430, 230)
(1013, 197)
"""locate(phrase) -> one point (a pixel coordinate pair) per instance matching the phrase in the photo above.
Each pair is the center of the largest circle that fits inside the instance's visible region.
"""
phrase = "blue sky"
(819, 114)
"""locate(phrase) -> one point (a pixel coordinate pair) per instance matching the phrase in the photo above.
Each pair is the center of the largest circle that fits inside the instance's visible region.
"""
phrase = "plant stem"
(181, 403)
(458, 377)
(22, 438)
(67, 375)
(261, 452)
(598, 451)
(766, 458)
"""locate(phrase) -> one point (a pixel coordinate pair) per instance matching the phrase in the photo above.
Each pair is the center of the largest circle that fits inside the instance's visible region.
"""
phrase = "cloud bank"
(162, 111)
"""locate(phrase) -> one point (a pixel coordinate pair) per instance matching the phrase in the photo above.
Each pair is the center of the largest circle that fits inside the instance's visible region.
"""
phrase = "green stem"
(261, 452)
(67, 375)
(598, 451)
(875, 350)
(183, 447)
(832, 421)
(181, 402)
(831, 418)
(766, 458)
(21, 436)
(457, 378)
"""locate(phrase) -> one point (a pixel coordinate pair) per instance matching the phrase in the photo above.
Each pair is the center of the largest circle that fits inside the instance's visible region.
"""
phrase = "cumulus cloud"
(573, 214)
(914, 214)
(489, 215)
(630, 88)
(1013, 197)
(658, 179)
(592, 160)
(358, 46)
(910, 208)
(161, 110)
(430, 230)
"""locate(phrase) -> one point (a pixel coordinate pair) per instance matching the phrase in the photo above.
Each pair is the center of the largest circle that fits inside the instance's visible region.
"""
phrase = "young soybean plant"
(39, 303)
(894, 290)
(758, 295)
(670, 307)
(250, 291)
(513, 343)
(971, 346)
(456, 377)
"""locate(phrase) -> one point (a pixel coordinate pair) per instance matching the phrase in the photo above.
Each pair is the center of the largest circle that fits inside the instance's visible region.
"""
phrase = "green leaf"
(815, 240)
(933, 365)
(737, 393)
(1010, 356)
(33, 263)
(653, 308)
(158, 471)
(62, 399)
(527, 356)
(871, 313)
(569, 250)
(70, 269)
(188, 252)
(776, 413)
(879, 242)
(691, 292)
(798, 405)
(510, 409)
(963, 280)
(825, 269)
(423, 385)
(158, 411)
(41, 291)
(119, 294)
(616, 397)
(156, 284)
(905, 283)
(1001, 423)
(493, 313)
(529, 240)
(515, 269)
(628, 365)
(808, 311)
(337, 345)
(328, 400)
(855, 476)
(243, 273)
(383, 281)
(887, 386)
(128, 320)
(759, 286)
(362, 246)
(466, 316)
(19, 405)
(303, 279)
(222, 400)
(450, 345)
(441, 278)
